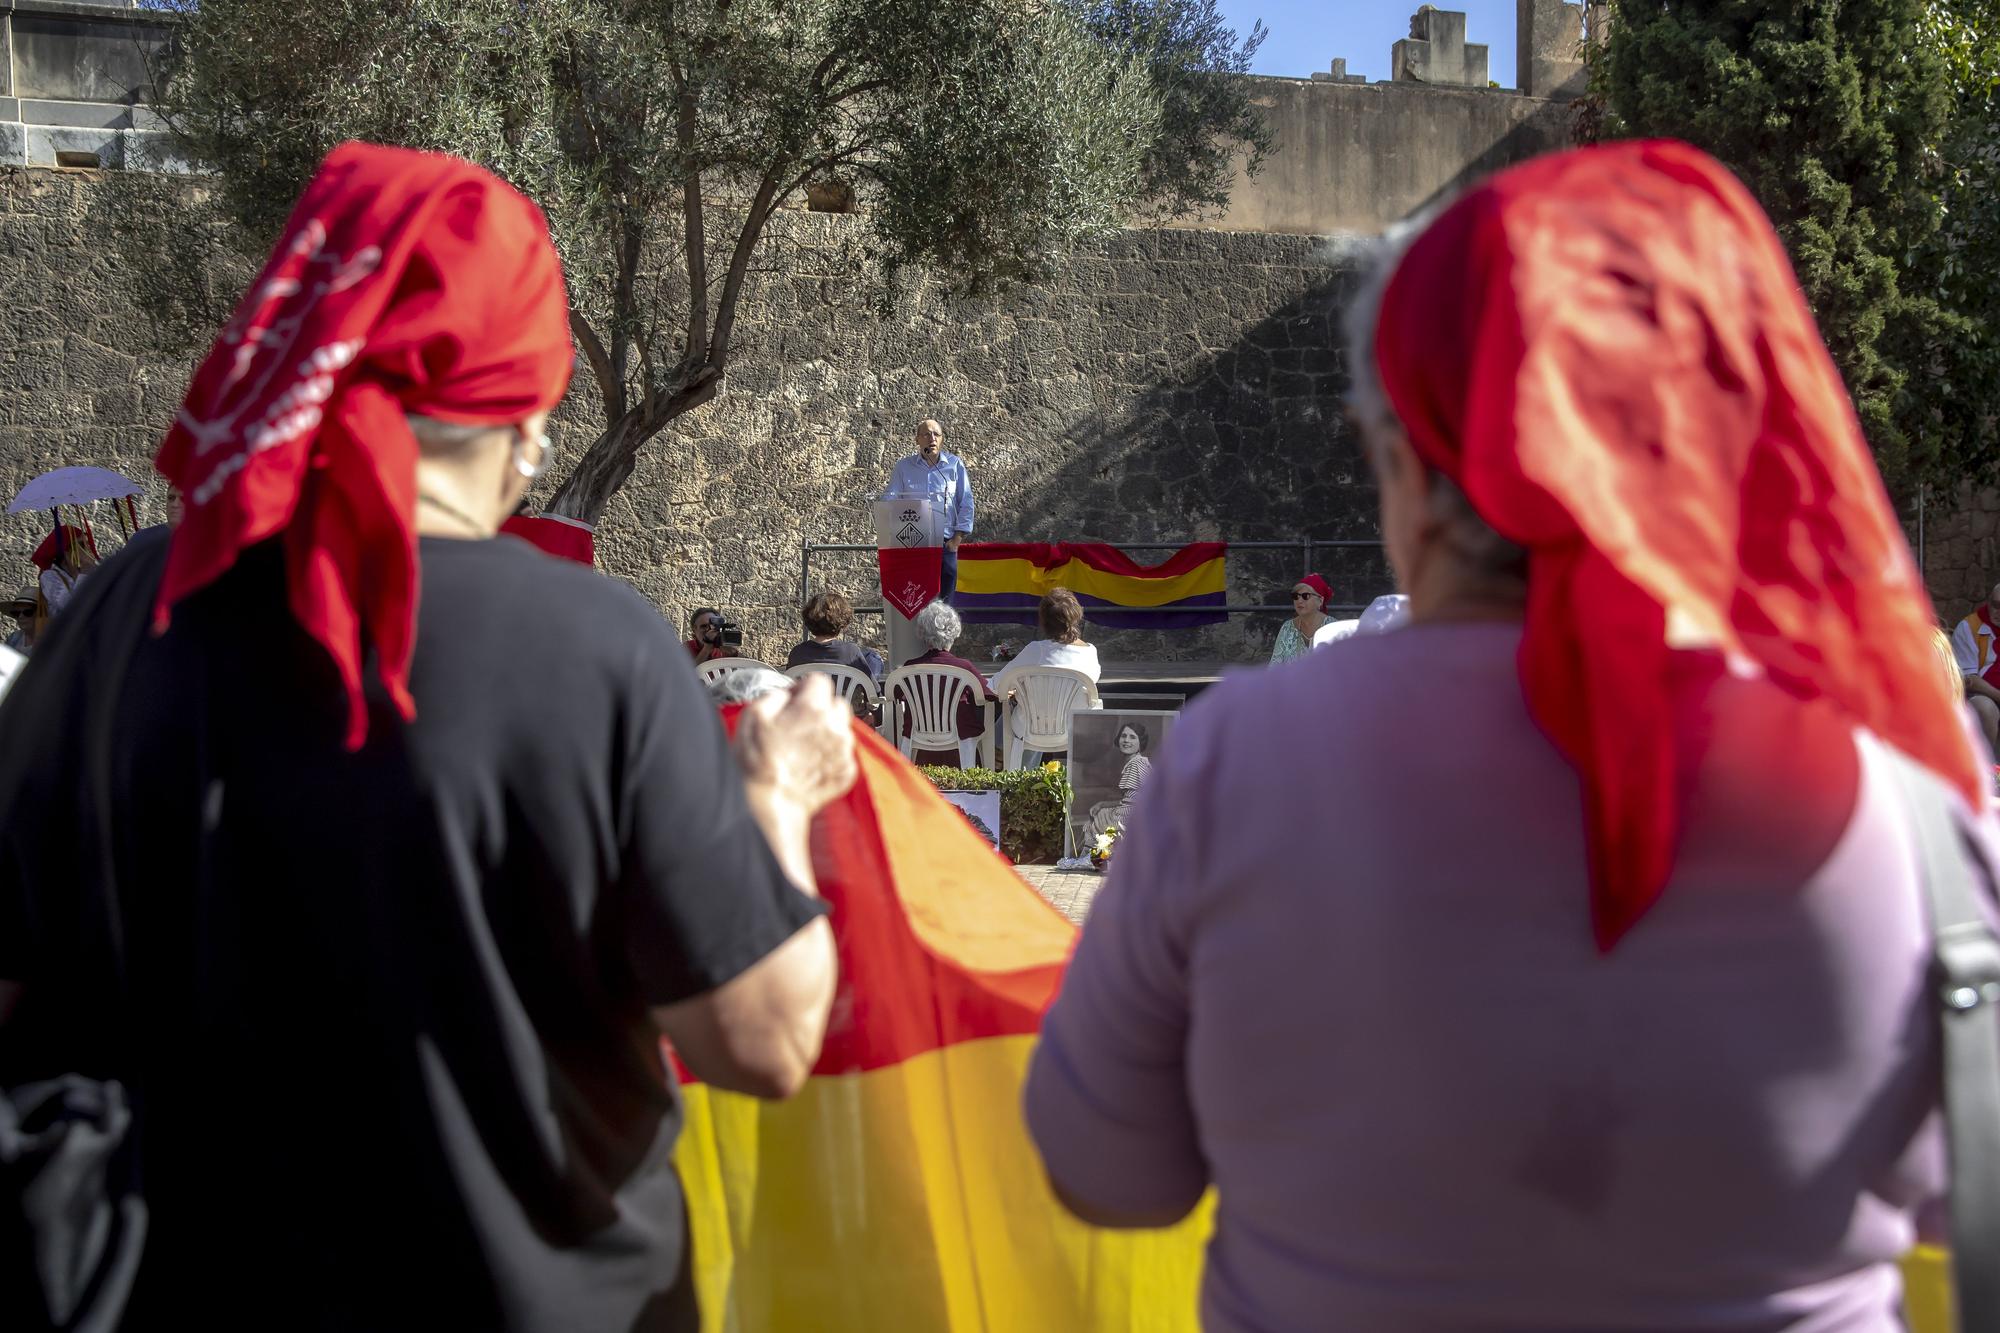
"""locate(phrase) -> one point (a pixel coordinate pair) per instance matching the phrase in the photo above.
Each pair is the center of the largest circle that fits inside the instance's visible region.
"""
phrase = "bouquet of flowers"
(1100, 852)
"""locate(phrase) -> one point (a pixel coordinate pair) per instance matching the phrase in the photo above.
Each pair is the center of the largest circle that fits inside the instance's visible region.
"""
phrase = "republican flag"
(1003, 582)
(899, 1190)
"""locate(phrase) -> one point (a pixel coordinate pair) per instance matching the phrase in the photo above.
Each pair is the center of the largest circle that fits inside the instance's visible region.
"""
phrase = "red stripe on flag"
(899, 998)
(1111, 560)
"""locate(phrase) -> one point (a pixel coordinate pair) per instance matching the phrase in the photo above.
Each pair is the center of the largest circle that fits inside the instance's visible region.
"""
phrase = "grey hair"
(445, 437)
(1378, 261)
(1485, 552)
(938, 625)
(746, 683)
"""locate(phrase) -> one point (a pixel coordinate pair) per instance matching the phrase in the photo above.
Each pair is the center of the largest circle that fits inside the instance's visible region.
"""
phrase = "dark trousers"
(947, 575)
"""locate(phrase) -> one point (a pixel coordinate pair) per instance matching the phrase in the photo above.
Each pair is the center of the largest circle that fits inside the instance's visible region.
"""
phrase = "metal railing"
(1305, 546)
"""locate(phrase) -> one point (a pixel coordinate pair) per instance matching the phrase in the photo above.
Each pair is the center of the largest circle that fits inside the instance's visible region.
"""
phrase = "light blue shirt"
(947, 483)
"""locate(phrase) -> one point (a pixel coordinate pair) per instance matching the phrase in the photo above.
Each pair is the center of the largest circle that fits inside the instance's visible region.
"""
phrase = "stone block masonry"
(1166, 386)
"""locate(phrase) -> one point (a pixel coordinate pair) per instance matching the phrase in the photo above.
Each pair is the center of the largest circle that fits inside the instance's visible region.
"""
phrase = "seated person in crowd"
(827, 616)
(63, 558)
(706, 645)
(25, 608)
(1309, 627)
(1061, 619)
(1972, 643)
(744, 684)
(1061, 645)
(938, 627)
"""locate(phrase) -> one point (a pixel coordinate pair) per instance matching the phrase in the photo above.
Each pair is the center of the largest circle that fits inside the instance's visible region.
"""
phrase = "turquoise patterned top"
(1291, 643)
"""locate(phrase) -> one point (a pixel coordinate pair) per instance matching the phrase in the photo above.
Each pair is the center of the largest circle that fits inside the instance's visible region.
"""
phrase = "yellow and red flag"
(899, 1190)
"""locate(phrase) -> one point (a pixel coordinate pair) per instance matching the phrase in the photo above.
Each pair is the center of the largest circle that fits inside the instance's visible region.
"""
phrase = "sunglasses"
(1301, 596)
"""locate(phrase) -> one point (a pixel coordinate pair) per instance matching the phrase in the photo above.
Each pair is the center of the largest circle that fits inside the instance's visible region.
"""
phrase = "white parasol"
(72, 486)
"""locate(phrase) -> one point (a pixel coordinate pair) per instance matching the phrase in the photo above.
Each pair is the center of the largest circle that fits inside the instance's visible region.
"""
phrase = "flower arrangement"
(1100, 852)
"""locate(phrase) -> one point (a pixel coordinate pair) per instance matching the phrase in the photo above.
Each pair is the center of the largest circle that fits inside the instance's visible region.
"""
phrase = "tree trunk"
(608, 462)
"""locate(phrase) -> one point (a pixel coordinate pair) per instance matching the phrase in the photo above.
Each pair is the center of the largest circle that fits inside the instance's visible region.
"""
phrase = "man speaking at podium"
(942, 477)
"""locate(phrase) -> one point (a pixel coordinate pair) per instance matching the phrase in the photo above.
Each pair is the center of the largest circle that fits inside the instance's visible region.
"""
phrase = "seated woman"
(63, 558)
(827, 616)
(938, 627)
(1309, 627)
(1105, 815)
(1060, 617)
(1061, 645)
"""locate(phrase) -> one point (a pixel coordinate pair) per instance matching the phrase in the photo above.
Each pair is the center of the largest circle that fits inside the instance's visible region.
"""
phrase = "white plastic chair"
(1039, 708)
(931, 693)
(722, 666)
(848, 682)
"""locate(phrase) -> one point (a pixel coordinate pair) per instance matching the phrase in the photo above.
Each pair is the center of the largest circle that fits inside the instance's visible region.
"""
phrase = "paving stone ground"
(1068, 891)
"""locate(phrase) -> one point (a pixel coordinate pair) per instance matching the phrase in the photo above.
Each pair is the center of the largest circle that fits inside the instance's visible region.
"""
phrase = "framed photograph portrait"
(981, 810)
(1111, 750)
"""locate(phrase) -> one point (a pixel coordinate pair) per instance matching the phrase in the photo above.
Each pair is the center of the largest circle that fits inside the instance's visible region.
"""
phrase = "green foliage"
(981, 138)
(1958, 374)
(1833, 112)
(1196, 65)
(1034, 804)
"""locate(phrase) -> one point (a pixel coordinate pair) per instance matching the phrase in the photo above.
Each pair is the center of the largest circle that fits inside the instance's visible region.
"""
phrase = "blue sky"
(1306, 35)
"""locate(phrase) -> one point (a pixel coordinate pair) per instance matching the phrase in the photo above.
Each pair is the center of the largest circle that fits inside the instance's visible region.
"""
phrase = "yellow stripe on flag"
(909, 1198)
(1025, 576)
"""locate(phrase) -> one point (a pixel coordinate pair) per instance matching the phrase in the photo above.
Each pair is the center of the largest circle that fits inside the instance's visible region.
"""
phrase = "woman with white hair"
(1614, 1010)
(938, 627)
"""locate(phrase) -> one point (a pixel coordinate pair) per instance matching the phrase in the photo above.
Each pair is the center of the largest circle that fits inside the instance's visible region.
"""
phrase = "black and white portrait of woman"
(1111, 752)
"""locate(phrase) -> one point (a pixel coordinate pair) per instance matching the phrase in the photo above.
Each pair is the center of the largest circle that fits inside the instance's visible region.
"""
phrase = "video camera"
(730, 635)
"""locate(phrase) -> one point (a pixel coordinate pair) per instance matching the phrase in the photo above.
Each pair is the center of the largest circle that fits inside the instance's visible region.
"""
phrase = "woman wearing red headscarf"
(1612, 1012)
(408, 896)
(61, 561)
(1309, 627)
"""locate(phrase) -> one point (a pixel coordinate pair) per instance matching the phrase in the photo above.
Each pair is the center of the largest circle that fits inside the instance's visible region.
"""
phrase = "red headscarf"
(1318, 585)
(58, 544)
(1636, 393)
(404, 282)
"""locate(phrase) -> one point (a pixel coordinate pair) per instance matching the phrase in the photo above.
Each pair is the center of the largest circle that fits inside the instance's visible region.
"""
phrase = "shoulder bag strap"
(1965, 977)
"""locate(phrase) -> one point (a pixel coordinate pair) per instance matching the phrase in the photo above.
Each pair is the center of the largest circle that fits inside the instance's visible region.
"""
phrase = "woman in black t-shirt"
(827, 617)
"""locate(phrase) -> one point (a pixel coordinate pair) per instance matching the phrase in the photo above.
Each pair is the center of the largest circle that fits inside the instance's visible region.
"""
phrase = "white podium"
(904, 521)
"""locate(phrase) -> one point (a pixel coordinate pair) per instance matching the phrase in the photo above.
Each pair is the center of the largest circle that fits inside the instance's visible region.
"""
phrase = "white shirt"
(1048, 653)
(56, 585)
(1972, 645)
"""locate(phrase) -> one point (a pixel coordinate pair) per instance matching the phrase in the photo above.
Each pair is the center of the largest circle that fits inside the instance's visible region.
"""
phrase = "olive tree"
(978, 138)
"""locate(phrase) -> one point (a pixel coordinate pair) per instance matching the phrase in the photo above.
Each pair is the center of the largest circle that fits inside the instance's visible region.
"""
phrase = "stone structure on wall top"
(1437, 53)
(1548, 49)
(1338, 74)
(1548, 62)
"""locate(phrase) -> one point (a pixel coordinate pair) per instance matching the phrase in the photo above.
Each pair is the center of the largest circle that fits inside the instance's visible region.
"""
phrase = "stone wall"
(1169, 386)
(1959, 547)
(1359, 156)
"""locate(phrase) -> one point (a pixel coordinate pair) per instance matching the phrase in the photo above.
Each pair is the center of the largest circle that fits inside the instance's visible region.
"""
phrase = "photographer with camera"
(714, 636)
